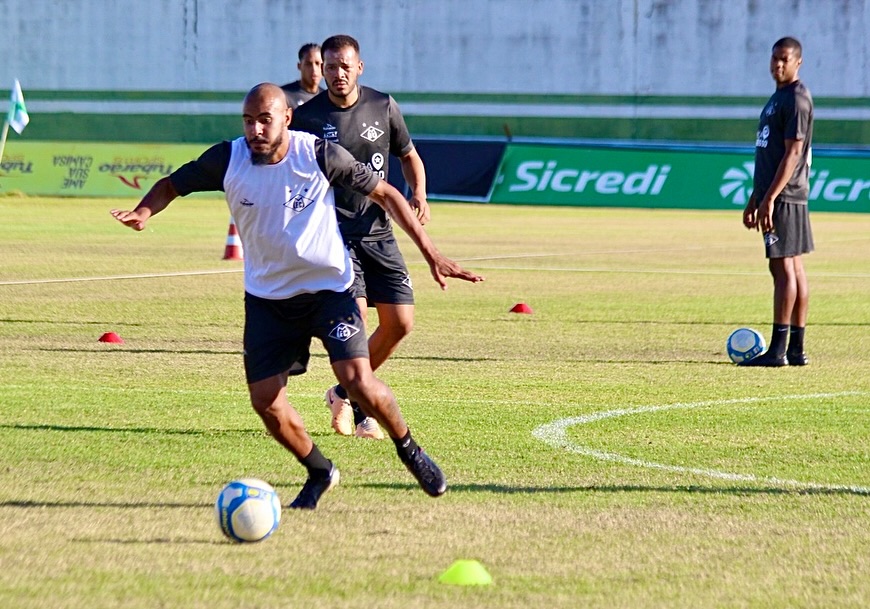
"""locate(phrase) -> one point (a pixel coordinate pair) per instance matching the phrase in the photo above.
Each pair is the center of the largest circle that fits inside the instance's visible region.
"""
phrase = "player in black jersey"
(370, 126)
(310, 68)
(778, 205)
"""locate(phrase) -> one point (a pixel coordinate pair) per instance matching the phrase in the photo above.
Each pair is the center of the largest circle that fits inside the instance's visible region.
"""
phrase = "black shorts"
(380, 274)
(278, 333)
(792, 235)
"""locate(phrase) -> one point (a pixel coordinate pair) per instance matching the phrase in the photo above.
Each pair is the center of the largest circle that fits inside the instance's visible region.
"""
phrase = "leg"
(795, 351)
(373, 396)
(378, 401)
(785, 288)
(802, 297)
(269, 399)
(395, 322)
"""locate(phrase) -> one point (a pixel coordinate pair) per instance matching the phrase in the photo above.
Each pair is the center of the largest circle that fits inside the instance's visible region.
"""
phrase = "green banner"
(89, 169)
(694, 178)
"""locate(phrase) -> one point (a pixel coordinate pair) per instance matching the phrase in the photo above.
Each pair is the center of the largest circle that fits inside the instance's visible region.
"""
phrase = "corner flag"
(18, 117)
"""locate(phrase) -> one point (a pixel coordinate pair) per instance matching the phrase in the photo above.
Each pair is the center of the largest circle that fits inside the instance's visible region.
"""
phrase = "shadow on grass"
(630, 488)
(678, 322)
(139, 430)
(113, 349)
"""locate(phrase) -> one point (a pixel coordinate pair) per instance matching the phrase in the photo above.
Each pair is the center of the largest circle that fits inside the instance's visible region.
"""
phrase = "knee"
(400, 327)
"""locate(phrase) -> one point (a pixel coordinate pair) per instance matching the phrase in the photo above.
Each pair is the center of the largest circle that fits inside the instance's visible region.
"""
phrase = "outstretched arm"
(155, 201)
(441, 267)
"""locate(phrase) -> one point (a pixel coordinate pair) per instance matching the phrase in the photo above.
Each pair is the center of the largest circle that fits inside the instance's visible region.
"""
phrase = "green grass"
(726, 487)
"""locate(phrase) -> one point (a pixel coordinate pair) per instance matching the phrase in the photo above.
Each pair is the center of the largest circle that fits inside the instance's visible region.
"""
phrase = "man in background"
(778, 205)
(370, 126)
(310, 68)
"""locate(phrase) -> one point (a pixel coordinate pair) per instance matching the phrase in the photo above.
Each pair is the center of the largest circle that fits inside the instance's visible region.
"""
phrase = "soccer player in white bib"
(279, 188)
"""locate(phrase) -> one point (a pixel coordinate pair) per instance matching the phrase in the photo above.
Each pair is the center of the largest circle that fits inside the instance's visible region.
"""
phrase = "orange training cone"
(521, 307)
(233, 250)
(111, 337)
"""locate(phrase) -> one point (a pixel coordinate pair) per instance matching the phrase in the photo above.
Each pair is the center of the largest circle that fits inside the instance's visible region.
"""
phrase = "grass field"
(601, 452)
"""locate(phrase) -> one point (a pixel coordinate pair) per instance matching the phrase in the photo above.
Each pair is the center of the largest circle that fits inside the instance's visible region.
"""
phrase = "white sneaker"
(342, 413)
(369, 428)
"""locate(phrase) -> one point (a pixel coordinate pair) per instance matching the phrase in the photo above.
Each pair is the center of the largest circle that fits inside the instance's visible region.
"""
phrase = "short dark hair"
(338, 42)
(307, 48)
(789, 43)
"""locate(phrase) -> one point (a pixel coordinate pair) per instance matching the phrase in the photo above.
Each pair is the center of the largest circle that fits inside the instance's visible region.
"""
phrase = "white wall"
(644, 47)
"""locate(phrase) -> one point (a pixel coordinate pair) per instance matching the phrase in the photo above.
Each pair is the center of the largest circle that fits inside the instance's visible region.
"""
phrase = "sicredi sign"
(670, 177)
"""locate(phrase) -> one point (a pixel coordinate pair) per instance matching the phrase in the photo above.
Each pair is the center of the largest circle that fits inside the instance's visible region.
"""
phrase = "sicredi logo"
(737, 186)
(547, 175)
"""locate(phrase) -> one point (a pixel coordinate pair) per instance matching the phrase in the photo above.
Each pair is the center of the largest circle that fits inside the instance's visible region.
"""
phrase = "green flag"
(18, 117)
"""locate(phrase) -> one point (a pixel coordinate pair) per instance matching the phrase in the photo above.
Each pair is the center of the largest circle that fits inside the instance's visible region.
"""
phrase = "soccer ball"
(744, 344)
(247, 509)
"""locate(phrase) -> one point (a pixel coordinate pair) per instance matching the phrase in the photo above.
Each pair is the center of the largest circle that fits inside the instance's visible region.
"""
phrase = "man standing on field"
(279, 188)
(778, 205)
(370, 126)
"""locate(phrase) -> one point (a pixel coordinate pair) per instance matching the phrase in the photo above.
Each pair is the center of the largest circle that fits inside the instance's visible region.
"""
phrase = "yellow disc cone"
(466, 573)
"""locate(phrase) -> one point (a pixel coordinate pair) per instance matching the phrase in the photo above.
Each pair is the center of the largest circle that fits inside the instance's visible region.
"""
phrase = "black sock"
(358, 415)
(405, 446)
(340, 392)
(777, 339)
(796, 339)
(317, 465)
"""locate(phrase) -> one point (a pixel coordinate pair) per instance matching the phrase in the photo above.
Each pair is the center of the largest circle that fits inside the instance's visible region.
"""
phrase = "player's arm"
(415, 176)
(154, 201)
(202, 175)
(441, 267)
(341, 169)
(784, 172)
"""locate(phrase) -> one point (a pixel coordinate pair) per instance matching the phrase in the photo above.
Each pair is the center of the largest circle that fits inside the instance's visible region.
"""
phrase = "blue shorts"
(278, 333)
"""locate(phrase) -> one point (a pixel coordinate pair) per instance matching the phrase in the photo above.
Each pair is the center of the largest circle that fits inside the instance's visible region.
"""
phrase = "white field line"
(463, 260)
(119, 277)
(555, 434)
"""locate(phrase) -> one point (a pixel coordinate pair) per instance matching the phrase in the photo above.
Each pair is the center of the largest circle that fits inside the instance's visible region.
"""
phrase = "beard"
(263, 158)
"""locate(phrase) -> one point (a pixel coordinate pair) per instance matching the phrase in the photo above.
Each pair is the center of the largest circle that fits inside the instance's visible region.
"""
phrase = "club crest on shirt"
(343, 332)
(330, 132)
(296, 202)
(371, 133)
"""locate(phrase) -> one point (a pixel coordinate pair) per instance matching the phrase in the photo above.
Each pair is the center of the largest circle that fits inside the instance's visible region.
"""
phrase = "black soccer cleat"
(313, 490)
(797, 359)
(766, 359)
(429, 475)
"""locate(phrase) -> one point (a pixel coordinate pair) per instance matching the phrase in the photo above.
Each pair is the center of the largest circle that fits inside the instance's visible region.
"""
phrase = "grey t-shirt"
(371, 130)
(296, 95)
(788, 115)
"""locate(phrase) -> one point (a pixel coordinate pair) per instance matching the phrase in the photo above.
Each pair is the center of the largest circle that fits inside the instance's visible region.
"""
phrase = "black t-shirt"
(788, 115)
(296, 95)
(371, 130)
(206, 174)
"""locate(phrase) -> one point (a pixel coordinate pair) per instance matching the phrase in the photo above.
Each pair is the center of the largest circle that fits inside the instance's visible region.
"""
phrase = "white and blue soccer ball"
(744, 344)
(248, 510)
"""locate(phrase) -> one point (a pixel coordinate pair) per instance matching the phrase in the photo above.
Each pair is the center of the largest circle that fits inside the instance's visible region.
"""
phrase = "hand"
(134, 219)
(765, 215)
(443, 267)
(750, 217)
(421, 208)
